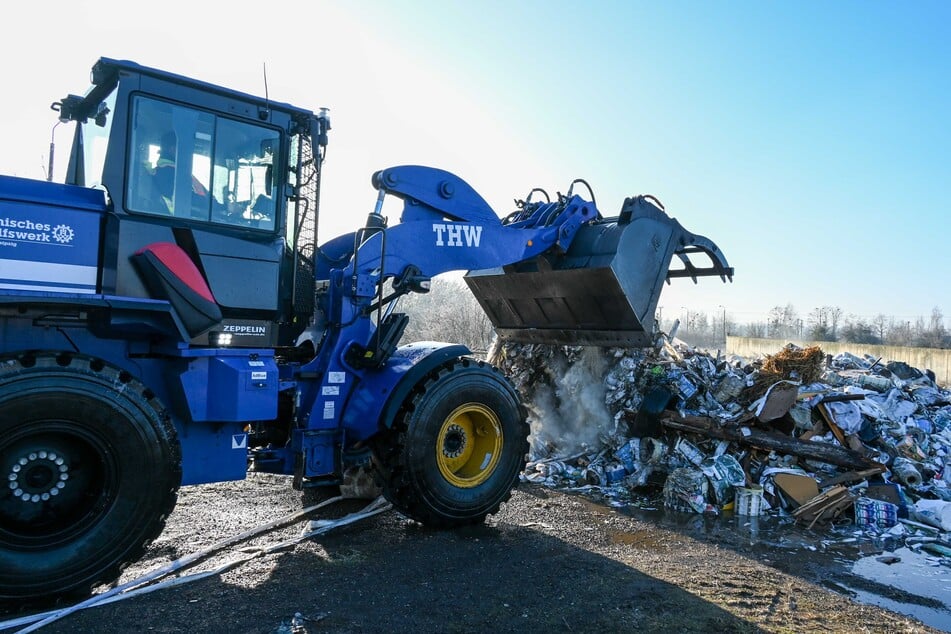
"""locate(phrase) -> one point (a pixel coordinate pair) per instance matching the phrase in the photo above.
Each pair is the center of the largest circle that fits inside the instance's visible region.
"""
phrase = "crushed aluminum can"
(594, 474)
(630, 454)
(924, 425)
(614, 473)
(550, 469)
(833, 378)
(724, 473)
(639, 478)
(874, 382)
(686, 388)
(689, 451)
(656, 450)
(749, 500)
(942, 418)
(906, 472)
(802, 416)
(875, 513)
(908, 448)
(686, 491)
(729, 388)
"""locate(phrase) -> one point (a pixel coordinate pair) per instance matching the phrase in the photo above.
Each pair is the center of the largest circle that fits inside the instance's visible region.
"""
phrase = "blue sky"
(809, 140)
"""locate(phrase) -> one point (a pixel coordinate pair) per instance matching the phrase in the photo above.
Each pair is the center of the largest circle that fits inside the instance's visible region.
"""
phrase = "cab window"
(95, 141)
(195, 165)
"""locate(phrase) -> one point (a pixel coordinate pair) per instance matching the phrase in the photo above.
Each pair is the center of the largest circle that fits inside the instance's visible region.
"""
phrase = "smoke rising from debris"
(567, 410)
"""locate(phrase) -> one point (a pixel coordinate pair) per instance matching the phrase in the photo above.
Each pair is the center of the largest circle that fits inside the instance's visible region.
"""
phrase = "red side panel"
(181, 266)
(170, 274)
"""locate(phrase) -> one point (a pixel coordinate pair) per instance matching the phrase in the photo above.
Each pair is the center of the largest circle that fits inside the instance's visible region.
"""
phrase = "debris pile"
(819, 439)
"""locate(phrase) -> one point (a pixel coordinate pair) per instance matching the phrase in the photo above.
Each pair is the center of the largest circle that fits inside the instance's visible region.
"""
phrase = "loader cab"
(198, 167)
(220, 174)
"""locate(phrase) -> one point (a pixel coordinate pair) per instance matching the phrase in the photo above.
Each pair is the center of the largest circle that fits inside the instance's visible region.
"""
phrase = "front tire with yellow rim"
(457, 446)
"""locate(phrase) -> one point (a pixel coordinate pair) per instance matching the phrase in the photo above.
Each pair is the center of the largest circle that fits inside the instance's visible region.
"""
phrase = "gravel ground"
(549, 561)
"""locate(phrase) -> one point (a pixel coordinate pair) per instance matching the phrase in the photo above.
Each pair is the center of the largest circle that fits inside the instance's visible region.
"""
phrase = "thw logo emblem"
(456, 234)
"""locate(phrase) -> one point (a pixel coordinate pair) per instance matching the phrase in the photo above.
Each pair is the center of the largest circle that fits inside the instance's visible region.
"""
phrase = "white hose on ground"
(133, 587)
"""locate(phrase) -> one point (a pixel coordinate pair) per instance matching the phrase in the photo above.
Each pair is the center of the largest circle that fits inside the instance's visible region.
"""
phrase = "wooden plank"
(830, 422)
(770, 441)
(852, 476)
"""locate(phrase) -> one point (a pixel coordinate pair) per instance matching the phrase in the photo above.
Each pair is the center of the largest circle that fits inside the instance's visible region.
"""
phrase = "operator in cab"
(163, 178)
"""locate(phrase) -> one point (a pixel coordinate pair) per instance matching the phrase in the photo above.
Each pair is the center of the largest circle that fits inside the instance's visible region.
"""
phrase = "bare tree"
(857, 330)
(900, 333)
(783, 321)
(820, 326)
(700, 334)
(835, 314)
(826, 323)
(933, 333)
(448, 312)
(756, 330)
(919, 329)
(880, 323)
(937, 320)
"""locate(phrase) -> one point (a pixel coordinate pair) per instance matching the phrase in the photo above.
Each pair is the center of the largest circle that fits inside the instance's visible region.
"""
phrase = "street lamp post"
(723, 319)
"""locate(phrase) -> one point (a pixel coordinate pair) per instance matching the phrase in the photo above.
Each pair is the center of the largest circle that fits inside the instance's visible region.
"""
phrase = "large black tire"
(91, 467)
(456, 448)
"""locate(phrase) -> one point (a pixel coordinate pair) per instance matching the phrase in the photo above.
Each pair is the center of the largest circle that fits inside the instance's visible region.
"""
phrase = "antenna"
(266, 98)
(263, 114)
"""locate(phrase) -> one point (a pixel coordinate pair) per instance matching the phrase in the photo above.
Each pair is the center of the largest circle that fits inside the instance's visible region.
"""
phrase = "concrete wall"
(934, 359)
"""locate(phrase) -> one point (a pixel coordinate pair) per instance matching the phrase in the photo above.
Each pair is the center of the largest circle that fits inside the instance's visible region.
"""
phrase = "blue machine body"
(35, 244)
(214, 392)
(169, 317)
(67, 283)
(263, 345)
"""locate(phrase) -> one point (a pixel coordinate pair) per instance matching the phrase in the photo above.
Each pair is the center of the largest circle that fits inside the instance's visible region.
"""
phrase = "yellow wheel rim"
(469, 445)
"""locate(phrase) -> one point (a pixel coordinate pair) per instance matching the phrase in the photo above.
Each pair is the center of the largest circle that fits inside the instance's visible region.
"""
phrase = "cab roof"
(107, 70)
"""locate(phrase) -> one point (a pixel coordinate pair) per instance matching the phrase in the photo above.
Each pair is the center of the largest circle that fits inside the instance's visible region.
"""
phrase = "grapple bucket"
(604, 290)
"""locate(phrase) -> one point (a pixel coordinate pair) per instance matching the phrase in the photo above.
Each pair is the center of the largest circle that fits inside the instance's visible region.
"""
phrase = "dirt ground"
(548, 562)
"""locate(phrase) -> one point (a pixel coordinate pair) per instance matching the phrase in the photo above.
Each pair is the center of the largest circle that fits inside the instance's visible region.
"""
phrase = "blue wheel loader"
(168, 318)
